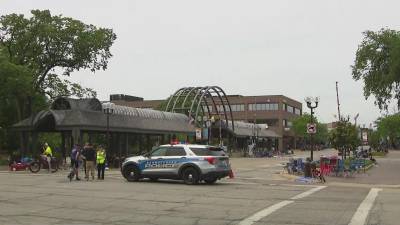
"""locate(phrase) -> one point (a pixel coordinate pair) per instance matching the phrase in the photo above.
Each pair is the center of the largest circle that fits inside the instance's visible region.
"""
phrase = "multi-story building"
(275, 110)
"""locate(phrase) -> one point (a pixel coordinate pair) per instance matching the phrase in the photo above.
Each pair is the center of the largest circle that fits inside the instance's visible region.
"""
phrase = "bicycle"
(36, 165)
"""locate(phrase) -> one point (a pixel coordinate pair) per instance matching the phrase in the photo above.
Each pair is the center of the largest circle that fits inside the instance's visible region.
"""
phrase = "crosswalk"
(361, 214)
(359, 217)
(267, 211)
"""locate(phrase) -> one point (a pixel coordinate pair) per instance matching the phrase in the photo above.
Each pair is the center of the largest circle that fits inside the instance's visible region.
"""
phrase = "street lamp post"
(208, 125)
(108, 109)
(312, 103)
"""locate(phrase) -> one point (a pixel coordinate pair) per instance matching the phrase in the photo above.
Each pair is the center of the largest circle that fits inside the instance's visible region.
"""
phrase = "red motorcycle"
(36, 165)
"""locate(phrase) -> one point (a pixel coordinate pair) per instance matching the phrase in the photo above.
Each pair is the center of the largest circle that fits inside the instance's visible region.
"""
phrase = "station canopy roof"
(87, 114)
(243, 129)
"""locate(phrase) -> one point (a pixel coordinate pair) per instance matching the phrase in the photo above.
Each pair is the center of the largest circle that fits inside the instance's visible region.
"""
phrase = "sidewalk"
(386, 172)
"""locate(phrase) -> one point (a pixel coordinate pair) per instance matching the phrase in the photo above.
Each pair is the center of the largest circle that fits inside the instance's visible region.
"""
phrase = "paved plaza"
(259, 194)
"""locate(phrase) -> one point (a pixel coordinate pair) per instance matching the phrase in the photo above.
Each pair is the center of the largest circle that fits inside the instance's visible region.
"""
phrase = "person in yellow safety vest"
(48, 153)
(101, 162)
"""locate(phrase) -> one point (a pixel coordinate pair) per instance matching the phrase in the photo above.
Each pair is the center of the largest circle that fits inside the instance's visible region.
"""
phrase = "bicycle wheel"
(34, 167)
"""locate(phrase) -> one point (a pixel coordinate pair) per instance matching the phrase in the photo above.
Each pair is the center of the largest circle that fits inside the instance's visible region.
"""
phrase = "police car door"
(175, 157)
(154, 163)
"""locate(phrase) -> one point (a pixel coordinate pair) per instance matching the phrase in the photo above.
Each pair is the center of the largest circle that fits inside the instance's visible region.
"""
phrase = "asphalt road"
(258, 195)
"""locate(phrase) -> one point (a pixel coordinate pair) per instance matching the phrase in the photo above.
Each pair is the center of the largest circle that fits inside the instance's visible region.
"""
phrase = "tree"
(377, 63)
(48, 45)
(300, 129)
(344, 137)
(34, 51)
(15, 87)
(374, 139)
(389, 126)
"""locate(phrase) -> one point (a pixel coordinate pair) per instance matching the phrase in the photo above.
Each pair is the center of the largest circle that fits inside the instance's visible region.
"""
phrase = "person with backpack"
(75, 159)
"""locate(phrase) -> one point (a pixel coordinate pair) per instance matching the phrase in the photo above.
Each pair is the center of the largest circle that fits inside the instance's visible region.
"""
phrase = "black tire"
(54, 166)
(210, 180)
(190, 176)
(131, 173)
(153, 179)
(34, 167)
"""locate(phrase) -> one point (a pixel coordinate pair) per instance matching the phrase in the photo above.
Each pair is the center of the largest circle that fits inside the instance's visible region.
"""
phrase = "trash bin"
(307, 169)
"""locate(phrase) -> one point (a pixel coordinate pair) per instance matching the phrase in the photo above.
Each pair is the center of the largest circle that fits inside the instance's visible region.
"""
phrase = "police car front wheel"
(190, 176)
(131, 173)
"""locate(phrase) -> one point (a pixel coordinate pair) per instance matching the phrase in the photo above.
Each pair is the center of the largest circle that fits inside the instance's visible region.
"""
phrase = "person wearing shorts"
(75, 159)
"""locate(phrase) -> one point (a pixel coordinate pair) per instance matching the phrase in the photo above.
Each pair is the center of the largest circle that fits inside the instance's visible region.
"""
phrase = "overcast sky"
(296, 48)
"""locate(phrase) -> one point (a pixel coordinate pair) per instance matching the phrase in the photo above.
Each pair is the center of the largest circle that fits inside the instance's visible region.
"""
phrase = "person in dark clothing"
(75, 158)
(90, 160)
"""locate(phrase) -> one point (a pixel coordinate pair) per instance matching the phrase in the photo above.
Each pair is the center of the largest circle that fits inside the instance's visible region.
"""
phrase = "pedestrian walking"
(75, 161)
(90, 160)
(101, 162)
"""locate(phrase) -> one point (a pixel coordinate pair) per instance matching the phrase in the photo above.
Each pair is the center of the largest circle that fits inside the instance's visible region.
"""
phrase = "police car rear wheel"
(131, 173)
(190, 176)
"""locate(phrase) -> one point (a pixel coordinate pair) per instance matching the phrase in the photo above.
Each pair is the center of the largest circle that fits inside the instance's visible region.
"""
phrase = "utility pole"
(255, 118)
(337, 98)
(355, 119)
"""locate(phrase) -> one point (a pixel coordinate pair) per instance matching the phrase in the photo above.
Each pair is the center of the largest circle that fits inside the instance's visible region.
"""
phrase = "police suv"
(190, 163)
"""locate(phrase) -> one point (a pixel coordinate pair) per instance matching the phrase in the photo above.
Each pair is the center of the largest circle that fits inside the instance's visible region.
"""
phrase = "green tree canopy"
(48, 44)
(389, 126)
(300, 128)
(377, 63)
(374, 139)
(34, 52)
(345, 136)
(15, 87)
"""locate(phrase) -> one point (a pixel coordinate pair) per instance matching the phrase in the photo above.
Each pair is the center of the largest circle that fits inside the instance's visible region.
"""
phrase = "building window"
(220, 108)
(297, 111)
(237, 108)
(209, 107)
(263, 107)
(290, 109)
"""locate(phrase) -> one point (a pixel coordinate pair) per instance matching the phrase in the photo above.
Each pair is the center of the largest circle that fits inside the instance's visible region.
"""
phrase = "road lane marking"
(362, 212)
(267, 211)
(307, 193)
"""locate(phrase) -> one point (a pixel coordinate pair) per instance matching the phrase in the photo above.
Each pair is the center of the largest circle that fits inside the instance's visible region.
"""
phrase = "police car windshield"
(210, 151)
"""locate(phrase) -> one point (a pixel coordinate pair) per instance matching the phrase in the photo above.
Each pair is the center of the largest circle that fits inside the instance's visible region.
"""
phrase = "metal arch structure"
(190, 100)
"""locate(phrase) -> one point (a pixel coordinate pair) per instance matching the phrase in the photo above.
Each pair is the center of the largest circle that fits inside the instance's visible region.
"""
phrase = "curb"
(369, 167)
(345, 184)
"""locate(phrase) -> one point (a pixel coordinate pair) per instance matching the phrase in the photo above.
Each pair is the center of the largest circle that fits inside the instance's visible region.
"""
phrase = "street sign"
(198, 134)
(311, 128)
(365, 136)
